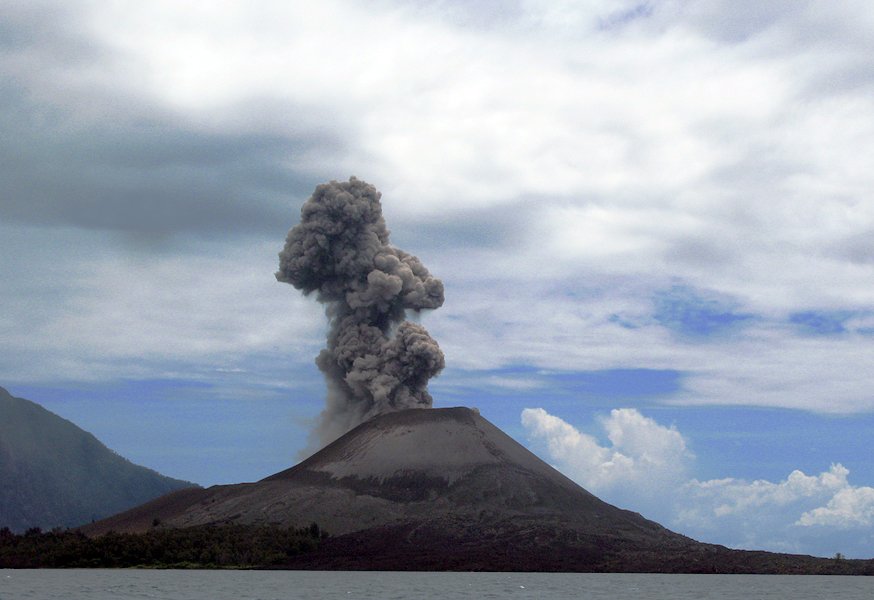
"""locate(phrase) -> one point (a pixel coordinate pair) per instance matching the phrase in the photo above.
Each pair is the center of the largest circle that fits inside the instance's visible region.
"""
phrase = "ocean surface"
(106, 584)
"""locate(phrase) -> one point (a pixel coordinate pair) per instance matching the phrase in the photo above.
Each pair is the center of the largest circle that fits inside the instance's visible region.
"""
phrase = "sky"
(653, 221)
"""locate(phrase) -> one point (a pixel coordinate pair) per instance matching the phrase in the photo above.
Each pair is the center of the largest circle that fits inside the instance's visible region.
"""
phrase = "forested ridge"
(55, 474)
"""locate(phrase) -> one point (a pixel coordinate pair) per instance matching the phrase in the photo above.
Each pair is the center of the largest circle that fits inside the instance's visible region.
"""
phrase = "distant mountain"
(444, 489)
(52, 473)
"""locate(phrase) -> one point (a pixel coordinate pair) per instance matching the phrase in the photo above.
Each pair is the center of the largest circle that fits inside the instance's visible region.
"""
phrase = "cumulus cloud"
(643, 460)
(730, 497)
(810, 513)
(849, 507)
(821, 514)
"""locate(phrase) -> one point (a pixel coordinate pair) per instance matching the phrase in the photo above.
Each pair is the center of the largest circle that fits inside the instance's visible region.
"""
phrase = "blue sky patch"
(621, 383)
(607, 383)
(621, 18)
(685, 311)
(624, 322)
(821, 322)
(203, 432)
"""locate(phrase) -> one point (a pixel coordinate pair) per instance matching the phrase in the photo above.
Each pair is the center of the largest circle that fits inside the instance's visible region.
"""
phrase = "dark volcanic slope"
(53, 473)
(446, 469)
(455, 462)
(444, 489)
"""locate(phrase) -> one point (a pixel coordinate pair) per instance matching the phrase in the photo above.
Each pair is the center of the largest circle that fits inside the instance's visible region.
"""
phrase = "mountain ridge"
(55, 474)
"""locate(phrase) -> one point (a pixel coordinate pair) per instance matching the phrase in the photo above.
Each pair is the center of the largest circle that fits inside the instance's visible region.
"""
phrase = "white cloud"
(512, 383)
(849, 507)
(643, 456)
(629, 149)
(722, 498)
(821, 514)
(127, 315)
(764, 363)
(647, 468)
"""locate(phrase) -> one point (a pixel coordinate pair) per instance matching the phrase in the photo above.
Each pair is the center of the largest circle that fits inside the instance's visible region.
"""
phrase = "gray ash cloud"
(375, 360)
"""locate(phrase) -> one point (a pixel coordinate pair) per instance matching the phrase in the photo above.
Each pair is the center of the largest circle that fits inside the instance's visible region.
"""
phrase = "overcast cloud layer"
(667, 185)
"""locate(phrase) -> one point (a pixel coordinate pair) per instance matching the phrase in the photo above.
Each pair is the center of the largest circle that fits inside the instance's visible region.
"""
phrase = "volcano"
(444, 489)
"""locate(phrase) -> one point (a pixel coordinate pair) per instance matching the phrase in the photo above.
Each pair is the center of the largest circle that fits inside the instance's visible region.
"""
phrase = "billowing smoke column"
(375, 361)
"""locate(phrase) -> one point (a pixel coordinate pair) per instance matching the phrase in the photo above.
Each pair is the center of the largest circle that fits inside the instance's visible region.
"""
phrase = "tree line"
(207, 546)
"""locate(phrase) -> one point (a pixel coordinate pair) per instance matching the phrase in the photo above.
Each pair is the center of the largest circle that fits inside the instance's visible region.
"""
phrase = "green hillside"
(54, 474)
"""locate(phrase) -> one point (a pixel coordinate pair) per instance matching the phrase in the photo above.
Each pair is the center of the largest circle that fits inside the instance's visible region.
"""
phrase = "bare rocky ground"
(444, 489)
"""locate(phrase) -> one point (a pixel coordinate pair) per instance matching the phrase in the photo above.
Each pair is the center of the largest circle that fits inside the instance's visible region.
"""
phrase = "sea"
(123, 584)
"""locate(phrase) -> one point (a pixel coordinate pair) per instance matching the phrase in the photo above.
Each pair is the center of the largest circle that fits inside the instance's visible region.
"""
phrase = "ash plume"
(375, 361)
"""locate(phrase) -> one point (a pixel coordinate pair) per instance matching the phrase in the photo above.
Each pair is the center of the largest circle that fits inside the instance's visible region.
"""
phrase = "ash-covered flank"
(396, 468)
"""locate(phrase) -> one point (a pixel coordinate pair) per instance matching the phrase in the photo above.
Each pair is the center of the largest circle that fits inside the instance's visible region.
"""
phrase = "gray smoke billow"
(375, 361)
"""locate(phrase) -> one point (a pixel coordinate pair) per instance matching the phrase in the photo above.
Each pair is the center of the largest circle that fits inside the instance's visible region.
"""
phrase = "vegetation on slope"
(193, 547)
(54, 474)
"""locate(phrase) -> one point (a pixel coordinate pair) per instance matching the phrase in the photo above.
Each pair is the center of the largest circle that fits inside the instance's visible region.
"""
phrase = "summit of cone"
(442, 444)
